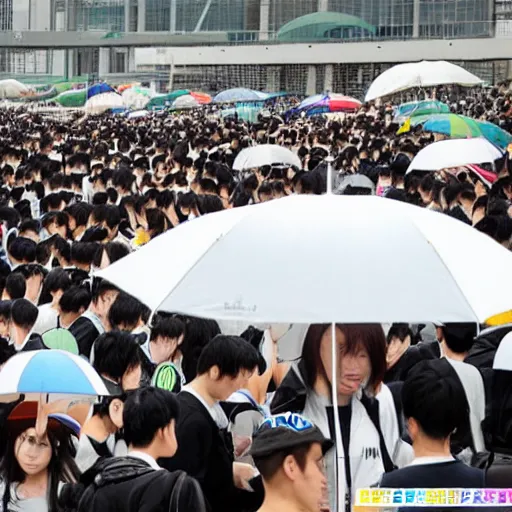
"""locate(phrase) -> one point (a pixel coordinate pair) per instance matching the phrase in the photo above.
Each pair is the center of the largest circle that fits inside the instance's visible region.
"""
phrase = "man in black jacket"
(205, 448)
(136, 482)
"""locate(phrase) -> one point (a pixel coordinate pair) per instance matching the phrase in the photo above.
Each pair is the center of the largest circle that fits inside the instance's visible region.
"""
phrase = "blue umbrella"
(48, 373)
(237, 95)
(495, 134)
(98, 89)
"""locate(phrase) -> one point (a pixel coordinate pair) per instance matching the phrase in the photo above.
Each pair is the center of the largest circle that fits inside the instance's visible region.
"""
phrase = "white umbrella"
(12, 89)
(103, 102)
(317, 259)
(265, 154)
(503, 356)
(186, 101)
(454, 153)
(137, 98)
(49, 374)
(419, 74)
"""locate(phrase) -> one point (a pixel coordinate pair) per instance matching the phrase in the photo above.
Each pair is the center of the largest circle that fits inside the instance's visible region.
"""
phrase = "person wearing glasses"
(288, 451)
(35, 466)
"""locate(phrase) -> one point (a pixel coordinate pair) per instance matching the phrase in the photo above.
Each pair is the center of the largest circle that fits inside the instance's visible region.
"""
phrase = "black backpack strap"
(372, 408)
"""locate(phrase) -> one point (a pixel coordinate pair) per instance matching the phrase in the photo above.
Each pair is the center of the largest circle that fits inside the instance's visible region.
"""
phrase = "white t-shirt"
(46, 319)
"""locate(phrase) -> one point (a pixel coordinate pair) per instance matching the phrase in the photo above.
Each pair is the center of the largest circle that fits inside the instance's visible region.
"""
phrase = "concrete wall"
(396, 51)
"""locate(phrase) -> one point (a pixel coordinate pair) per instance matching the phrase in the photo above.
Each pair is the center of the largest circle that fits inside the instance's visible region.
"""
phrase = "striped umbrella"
(459, 127)
(51, 374)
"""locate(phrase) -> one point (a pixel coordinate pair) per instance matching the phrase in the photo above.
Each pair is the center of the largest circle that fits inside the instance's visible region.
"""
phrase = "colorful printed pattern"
(433, 497)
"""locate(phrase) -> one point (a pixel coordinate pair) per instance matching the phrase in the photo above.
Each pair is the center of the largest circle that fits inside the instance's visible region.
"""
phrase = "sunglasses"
(291, 421)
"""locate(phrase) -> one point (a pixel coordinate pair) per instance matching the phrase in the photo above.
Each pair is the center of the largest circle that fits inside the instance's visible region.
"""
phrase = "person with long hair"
(34, 467)
(370, 440)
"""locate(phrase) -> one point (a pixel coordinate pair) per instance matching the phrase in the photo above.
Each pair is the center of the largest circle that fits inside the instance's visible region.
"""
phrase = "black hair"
(63, 247)
(5, 309)
(57, 279)
(146, 411)
(433, 395)
(6, 351)
(269, 465)
(115, 251)
(16, 285)
(167, 327)
(74, 299)
(126, 311)
(460, 336)
(23, 249)
(115, 353)
(231, 354)
(62, 467)
(24, 313)
(107, 213)
(84, 252)
(80, 212)
(30, 225)
(400, 331)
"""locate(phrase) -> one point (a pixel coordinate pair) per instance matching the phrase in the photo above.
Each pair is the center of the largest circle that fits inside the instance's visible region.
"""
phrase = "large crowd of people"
(199, 418)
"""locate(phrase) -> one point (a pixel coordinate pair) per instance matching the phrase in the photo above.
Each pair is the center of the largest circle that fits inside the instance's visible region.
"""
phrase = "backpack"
(179, 491)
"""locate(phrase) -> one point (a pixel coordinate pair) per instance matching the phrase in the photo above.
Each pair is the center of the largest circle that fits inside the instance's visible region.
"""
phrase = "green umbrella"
(165, 100)
(74, 98)
(61, 339)
(419, 108)
(452, 125)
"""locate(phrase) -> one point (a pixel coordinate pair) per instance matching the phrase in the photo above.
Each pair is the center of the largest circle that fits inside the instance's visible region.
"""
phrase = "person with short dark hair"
(23, 317)
(165, 341)
(434, 406)
(137, 482)
(73, 304)
(288, 451)
(225, 365)
(94, 321)
(15, 286)
(22, 251)
(456, 341)
(54, 285)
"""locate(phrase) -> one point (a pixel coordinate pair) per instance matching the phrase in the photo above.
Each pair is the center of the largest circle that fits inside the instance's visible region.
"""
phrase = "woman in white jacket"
(368, 419)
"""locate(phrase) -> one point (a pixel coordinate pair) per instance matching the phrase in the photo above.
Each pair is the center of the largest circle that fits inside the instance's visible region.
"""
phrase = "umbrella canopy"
(61, 339)
(265, 154)
(73, 98)
(137, 97)
(419, 74)
(165, 100)
(201, 97)
(324, 25)
(493, 133)
(13, 89)
(48, 372)
(321, 103)
(419, 108)
(103, 102)
(453, 125)
(454, 153)
(237, 95)
(124, 87)
(185, 102)
(96, 89)
(354, 181)
(281, 242)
